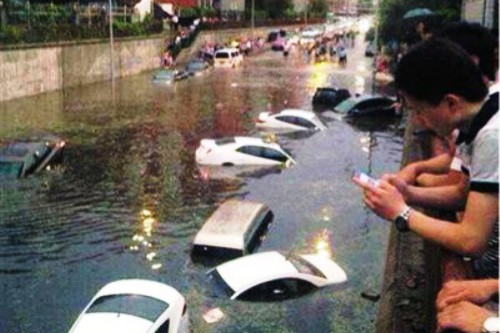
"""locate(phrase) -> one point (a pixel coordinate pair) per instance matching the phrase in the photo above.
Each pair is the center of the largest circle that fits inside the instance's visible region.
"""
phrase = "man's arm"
(433, 180)
(449, 197)
(437, 165)
(470, 236)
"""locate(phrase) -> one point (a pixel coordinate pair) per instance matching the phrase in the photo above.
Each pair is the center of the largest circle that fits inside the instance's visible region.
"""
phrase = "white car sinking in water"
(292, 119)
(134, 306)
(241, 151)
(271, 276)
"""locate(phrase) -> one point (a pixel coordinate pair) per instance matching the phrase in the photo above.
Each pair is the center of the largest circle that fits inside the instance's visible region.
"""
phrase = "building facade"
(484, 12)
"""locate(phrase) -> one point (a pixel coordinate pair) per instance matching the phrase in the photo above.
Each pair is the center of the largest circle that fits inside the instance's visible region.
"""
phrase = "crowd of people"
(449, 85)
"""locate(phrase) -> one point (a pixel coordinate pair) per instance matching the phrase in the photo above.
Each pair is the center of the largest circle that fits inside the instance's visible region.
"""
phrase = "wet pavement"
(129, 198)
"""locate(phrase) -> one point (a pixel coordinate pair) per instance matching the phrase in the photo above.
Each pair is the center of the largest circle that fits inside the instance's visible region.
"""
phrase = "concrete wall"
(29, 72)
(26, 72)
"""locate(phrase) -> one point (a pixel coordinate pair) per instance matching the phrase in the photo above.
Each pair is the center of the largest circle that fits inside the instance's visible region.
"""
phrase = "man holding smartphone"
(443, 89)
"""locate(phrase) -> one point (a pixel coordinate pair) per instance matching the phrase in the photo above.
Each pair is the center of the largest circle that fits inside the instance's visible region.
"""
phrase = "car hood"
(111, 323)
(333, 272)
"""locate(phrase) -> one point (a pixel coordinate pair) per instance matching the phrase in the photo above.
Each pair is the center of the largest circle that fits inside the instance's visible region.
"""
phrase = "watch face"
(492, 324)
(401, 223)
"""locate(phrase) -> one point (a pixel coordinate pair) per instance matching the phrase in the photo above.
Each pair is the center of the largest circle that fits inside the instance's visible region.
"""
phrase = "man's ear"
(475, 58)
(453, 102)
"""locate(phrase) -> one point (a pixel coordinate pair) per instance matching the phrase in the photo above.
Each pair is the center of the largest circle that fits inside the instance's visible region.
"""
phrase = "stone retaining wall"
(31, 71)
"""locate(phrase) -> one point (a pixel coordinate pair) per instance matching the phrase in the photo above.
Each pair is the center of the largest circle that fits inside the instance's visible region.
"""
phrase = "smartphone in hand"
(365, 179)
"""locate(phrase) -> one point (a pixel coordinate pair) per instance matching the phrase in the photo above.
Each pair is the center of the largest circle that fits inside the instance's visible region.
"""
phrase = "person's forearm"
(491, 285)
(439, 164)
(452, 236)
(452, 197)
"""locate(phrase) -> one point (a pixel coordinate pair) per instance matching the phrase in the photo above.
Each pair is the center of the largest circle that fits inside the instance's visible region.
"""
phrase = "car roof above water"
(244, 140)
(229, 225)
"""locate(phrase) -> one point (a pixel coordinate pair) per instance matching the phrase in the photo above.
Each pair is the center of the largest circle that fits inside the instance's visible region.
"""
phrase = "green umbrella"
(418, 12)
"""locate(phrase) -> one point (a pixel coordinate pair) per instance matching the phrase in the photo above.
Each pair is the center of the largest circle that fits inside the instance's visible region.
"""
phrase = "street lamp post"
(253, 17)
(375, 42)
(305, 12)
(111, 53)
(111, 41)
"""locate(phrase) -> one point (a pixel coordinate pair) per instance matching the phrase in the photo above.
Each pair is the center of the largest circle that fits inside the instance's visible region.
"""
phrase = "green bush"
(122, 29)
(261, 14)
(291, 13)
(10, 34)
(189, 12)
(205, 11)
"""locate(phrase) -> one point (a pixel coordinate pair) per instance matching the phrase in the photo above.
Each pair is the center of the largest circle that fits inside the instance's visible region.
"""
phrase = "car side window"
(164, 327)
(250, 150)
(276, 290)
(273, 154)
(296, 121)
(263, 152)
(363, 105)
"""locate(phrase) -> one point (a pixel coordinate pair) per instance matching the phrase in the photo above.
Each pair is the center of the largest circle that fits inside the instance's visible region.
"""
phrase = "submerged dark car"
(168, 76)
(23, 158)
(197, 67)
(328, 98)
(370, 49)
(368, 105)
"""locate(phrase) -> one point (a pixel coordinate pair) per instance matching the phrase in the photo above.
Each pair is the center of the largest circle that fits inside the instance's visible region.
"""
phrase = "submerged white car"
(134, 306)
(274, 276)
(293, 119)
(241, 151)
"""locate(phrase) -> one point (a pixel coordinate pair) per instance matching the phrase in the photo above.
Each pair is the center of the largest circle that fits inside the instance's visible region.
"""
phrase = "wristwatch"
(491, 325)
(401, 220)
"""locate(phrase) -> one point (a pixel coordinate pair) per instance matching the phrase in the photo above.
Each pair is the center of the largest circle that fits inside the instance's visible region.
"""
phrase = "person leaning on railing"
(444, 90)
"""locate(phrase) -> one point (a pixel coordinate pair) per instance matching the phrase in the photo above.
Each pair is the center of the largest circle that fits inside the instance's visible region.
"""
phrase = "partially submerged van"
(234, 229)
(228, 57)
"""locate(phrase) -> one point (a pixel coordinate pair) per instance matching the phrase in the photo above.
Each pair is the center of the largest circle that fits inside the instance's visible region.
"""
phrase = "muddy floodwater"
(129, 197)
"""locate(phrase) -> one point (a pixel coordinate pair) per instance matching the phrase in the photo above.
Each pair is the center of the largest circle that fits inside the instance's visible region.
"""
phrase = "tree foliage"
(273, 9)
(393, 27)
(318, 8)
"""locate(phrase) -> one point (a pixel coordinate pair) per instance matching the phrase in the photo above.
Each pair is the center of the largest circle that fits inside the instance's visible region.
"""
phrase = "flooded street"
(129, 198)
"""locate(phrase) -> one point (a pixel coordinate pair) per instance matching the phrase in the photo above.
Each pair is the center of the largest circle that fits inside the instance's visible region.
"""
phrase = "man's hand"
(384, 200)
(463, 316)
(398, 182)
(408, 174)
(475, 291)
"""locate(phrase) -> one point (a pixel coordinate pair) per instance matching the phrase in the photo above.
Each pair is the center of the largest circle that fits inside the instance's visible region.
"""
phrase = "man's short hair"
(437, 67)
(476, 40)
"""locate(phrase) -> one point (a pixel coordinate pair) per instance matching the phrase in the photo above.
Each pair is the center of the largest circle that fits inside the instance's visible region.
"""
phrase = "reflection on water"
(130, 196)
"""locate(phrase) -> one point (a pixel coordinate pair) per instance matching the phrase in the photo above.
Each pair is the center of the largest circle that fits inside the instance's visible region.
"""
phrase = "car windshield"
(305, 267)
(10, 169)
(346, 105)
(222, 55)
(14, 150)
(136, 305)
(218, 286)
